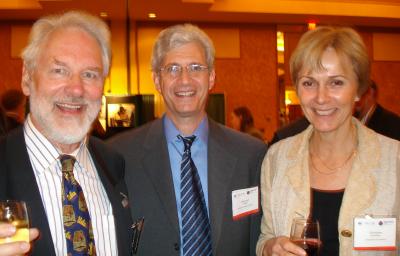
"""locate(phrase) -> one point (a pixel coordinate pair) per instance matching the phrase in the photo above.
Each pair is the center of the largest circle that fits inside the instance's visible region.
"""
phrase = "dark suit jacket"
(385, 122)
(233, 163)
(291, 129)
(17, 181)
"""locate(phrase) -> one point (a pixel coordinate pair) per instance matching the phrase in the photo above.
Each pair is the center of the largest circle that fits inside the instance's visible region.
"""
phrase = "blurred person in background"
(3, 122)
(242, 120)
(13, 103)
(376, 117)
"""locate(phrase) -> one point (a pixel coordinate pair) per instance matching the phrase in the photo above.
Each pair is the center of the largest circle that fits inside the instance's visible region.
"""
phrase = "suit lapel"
(221, 167)
(23, 186)
(361, 187)
(298, 173)
(116, 192)
(158, 168)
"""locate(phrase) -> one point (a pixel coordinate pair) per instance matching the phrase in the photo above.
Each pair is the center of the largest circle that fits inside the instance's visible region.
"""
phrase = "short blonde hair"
(346, 42)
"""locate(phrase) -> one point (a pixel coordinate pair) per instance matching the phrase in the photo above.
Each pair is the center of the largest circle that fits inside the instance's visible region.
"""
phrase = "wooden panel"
(386, 46)
(226, 42)
(251, 81)
(10, 68)
(19, 39)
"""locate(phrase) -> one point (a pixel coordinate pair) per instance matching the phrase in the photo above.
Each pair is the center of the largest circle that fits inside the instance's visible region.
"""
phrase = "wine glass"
(15, 213)
(305, 233)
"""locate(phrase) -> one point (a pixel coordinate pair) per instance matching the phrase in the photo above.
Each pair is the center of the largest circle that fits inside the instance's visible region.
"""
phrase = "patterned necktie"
(196, 230)
(77, 224)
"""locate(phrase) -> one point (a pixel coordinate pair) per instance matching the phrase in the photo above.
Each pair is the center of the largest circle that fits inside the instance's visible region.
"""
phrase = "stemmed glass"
(305, 233)
(15, 213)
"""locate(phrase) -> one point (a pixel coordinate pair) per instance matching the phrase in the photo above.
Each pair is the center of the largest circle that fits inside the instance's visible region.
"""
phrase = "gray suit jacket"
(233, 163)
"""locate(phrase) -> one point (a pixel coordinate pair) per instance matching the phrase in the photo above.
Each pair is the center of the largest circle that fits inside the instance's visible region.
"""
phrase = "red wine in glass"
(305, 234)
(311, 246)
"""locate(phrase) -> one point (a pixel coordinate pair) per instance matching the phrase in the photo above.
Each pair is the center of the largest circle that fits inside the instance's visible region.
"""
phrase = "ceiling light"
(152, 15)
(103, 14)
(311, 24)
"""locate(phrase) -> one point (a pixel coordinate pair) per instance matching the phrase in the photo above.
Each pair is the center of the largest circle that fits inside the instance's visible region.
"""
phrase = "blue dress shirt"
(199, 156)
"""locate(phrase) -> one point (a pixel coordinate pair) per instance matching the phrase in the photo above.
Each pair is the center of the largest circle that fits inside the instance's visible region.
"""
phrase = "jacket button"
(176, 246)
(346, 233)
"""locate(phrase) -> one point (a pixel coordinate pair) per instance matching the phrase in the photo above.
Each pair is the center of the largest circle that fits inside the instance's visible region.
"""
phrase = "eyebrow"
(61, 63)
(58, 62)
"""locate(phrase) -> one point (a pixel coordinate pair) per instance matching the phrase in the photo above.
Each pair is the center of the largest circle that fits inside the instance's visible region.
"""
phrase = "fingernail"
(24, 246)
(12, 229)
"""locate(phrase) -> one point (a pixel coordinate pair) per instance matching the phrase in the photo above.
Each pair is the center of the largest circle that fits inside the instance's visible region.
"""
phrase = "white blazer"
(373, 186)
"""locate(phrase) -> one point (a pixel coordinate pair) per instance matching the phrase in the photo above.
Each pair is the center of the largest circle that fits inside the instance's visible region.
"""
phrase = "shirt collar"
(171, 132)
(41, 144)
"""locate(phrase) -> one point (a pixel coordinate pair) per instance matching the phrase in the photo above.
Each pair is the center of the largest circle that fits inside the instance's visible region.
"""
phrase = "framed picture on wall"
(120, 111)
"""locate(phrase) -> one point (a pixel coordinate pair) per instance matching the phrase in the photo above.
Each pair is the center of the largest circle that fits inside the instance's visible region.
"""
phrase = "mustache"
(73, 100)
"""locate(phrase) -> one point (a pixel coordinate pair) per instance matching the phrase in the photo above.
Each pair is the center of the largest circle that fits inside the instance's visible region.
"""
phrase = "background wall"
(246, 73)
(10, 68)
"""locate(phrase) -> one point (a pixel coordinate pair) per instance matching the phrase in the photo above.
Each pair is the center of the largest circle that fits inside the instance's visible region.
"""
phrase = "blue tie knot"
(187, 141)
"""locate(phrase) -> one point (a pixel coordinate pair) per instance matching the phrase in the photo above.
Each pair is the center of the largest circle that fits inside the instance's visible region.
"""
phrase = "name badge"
(375, 234)
(244, 202)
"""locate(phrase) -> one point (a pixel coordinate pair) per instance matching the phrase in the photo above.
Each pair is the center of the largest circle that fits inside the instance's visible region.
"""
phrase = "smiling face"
(186, 95)
(66, 87)
(328, 96)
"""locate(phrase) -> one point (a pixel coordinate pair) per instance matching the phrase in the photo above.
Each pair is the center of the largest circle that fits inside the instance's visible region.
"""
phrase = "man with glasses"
(194, 181)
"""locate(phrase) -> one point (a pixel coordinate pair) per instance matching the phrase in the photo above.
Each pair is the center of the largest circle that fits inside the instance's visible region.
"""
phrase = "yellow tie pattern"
(77, 223)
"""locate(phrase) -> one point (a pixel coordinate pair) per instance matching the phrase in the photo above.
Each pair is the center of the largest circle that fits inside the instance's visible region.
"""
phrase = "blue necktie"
(77, 224)
(196, 230)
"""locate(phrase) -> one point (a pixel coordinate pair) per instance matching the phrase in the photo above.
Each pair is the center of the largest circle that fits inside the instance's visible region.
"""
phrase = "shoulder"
(232, 138)
(239, 145)
(105, 155)
(136, 135)
(290, 129)
(290, 148)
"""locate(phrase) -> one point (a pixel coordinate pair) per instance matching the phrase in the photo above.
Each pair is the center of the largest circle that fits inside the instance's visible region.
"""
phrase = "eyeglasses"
(175, 70)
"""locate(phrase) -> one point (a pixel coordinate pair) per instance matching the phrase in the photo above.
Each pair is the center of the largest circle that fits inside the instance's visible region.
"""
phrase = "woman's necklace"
(332, 170)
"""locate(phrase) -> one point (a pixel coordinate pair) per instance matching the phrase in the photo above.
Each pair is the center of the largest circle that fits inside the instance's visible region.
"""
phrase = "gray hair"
(176, 36)
(43, 27)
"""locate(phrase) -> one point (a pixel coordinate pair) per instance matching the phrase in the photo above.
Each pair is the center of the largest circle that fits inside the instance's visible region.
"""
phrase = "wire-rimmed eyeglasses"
(175, 70)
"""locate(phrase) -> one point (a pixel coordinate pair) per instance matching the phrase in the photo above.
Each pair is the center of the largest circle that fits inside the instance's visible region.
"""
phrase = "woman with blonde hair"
(337, 169)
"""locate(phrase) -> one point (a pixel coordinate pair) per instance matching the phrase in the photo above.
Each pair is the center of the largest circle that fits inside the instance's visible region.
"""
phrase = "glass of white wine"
(15, 213)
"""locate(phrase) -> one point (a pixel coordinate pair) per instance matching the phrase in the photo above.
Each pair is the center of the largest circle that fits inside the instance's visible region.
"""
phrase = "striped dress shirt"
(45, 161)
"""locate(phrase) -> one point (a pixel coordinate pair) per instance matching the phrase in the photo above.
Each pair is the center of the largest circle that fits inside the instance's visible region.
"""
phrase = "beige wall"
(246, 70)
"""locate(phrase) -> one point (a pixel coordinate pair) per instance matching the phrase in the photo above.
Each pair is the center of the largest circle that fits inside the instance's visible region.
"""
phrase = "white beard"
(59, 129)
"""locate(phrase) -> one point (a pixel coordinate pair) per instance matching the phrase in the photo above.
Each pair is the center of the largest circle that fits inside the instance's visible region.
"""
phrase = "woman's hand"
(15, 248)
(280, 246)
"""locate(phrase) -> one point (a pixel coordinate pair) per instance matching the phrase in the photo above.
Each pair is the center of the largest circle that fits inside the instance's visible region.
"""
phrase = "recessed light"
(152, 15)
(103, 14)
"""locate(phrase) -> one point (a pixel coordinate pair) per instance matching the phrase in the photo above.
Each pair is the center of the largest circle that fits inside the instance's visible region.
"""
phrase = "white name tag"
(375, 234)
(244, 202)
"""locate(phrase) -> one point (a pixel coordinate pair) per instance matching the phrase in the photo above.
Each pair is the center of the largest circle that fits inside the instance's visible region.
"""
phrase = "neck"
(66, 148)
(341, 142)
(186, 125)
